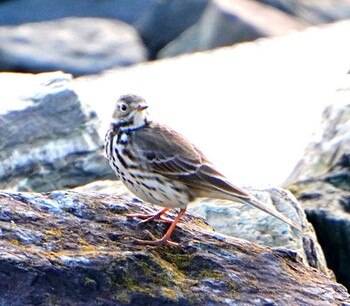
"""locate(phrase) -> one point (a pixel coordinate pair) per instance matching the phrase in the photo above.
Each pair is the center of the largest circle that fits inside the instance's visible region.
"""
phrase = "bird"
(160, 166)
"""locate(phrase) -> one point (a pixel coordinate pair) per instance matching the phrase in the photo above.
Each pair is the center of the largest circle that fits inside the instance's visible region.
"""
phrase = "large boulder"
(74, 45)
(225, 22)
(321, 183)
(74, 248)
(49, 138)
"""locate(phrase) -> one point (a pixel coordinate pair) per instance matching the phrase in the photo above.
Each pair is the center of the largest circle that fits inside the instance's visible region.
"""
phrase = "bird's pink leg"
(165, 240)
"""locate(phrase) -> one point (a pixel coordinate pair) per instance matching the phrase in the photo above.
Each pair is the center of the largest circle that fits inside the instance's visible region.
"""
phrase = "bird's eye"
(123, 107)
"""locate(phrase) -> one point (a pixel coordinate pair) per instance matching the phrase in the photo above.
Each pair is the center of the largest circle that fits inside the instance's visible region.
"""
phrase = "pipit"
(162, 167)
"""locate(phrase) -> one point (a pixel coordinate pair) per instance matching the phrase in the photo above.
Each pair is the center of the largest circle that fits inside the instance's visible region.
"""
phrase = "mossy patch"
(141, 273)
(179, 260)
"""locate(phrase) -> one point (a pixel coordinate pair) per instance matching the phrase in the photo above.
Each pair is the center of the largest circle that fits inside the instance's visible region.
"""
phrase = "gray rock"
(158, 22)
(74, 248)
(248, 223)
(225, 23)
(321, 183)
(167, 20)
(48, 138)
(74, 45)
(327, 153)
(314, 11)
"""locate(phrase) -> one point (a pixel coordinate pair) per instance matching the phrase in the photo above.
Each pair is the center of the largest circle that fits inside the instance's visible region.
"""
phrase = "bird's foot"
(165, 241)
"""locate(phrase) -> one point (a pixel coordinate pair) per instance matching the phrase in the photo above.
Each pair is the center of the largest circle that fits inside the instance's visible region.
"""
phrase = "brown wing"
(166, 152)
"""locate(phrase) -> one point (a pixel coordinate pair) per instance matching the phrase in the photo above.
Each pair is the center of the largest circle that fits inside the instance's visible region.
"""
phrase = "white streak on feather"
(124, 138)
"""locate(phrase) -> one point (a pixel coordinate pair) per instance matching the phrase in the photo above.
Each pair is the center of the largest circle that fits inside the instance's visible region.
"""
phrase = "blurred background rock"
(106, 34)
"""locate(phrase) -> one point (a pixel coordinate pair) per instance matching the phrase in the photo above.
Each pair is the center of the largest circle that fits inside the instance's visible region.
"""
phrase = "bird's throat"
(130, 125)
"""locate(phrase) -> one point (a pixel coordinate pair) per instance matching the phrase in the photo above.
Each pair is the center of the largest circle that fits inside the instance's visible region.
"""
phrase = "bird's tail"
(254, 202)
(208, 182)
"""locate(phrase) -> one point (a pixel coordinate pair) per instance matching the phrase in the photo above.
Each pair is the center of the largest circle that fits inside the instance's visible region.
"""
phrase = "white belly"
(161, 194)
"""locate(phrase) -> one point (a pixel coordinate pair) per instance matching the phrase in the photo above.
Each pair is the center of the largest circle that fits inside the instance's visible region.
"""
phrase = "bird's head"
(130, 112)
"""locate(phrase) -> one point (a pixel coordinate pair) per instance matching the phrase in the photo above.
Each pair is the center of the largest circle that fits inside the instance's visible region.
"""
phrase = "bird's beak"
(142, 107)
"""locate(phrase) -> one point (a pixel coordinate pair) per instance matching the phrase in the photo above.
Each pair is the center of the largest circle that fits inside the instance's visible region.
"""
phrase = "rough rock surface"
(321, 183)
(48, 138)
(246, 222)
(70, 248)
(225, 23)
(74, 45)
